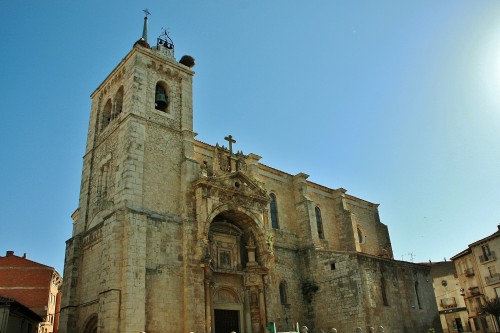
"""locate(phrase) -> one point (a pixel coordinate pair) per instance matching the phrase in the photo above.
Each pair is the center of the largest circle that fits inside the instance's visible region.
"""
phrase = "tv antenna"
(410, 255)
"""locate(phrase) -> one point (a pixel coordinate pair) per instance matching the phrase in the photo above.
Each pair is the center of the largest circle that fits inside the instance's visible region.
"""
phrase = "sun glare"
(489, 68)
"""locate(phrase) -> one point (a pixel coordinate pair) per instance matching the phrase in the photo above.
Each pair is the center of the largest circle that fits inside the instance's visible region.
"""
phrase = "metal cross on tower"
(145, 27)
(230, 139)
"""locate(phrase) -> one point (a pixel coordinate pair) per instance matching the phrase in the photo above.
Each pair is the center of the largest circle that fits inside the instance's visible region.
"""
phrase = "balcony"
(487, 257)
(469, 272)
(494, 278)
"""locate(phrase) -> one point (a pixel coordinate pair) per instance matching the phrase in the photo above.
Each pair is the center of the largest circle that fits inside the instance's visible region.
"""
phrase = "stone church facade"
(176, 235)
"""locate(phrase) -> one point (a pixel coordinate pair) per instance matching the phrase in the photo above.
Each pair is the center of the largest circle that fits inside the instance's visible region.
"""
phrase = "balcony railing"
(473, 291)
(493, 278)
(469, 272)
(476, 311)
(448, 302)
(487, 257)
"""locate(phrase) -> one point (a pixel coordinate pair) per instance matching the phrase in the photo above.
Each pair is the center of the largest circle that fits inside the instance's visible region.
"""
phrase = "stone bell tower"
(124, 261)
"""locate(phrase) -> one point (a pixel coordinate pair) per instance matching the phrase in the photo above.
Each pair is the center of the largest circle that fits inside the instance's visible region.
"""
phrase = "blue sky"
(396, 101)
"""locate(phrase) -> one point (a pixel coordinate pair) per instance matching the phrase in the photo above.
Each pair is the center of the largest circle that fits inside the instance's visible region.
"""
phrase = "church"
(176, 235)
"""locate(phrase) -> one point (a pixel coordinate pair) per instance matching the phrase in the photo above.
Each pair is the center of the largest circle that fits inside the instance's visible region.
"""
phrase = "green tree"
(309, 287)
(492, 307)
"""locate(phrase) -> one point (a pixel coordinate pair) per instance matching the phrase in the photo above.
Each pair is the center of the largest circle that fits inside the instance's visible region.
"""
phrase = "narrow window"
(319, 223)
(332, 266)
(106, 114)
(118, 102)
(283, 292)
(384, 291)
(361, 238)
(418, 295)
(273, 207)
(161, 98)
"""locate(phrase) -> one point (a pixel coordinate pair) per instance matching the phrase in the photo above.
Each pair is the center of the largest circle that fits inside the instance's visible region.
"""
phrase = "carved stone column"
(208, 300)
(262, 307)
(247, 313)
(254, 285)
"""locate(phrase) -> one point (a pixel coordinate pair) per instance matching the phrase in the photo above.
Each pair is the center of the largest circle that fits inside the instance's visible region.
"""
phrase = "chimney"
(24, 255)
(9, 253)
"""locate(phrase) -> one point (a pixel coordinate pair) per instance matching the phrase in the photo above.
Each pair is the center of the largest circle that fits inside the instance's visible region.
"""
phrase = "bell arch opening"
(161, 97)
(106, 114)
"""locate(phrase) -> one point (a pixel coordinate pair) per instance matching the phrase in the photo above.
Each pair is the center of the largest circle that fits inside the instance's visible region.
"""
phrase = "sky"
(396, 101)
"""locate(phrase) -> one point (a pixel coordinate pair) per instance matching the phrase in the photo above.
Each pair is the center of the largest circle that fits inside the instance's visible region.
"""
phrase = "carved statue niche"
(225, 239)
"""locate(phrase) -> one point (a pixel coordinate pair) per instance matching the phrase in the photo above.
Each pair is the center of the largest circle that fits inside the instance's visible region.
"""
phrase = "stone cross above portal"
(230, 139)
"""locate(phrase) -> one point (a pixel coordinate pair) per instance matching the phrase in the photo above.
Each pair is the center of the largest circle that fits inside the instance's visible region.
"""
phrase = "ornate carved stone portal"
(232, 211)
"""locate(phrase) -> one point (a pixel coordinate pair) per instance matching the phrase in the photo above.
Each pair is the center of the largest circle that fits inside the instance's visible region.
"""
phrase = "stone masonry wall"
(364, 219)
(350, 294)
(339, 301)
(286, 269)
(162, 169)
(164, 276)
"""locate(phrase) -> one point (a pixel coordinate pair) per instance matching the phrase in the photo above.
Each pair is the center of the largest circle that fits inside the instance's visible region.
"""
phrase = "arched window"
(273, 207)
(106, 114)
(319, 224)
(118, 102)
(384, 291)
(91, 325)
(283, 292)
(161, 98)
(418, 295)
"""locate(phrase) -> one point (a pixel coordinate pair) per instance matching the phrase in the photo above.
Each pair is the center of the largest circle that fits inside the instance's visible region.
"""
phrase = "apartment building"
(477, 268)
(33, 285)
(451, 304)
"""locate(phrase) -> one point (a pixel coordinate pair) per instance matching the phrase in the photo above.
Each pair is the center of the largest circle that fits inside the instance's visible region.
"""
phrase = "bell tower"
(137, 166)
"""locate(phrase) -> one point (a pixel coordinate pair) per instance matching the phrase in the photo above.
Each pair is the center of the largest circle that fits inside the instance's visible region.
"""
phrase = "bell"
(161, 99)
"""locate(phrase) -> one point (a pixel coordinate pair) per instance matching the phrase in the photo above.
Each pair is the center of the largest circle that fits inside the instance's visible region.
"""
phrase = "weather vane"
(146, 12)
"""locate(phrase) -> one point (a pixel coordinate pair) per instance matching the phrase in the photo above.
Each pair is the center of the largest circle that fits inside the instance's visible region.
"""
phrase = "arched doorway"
(227, 310)
(236, 274)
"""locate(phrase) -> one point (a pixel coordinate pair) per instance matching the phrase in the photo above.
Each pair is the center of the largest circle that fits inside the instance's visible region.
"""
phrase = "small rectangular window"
(332, 266)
